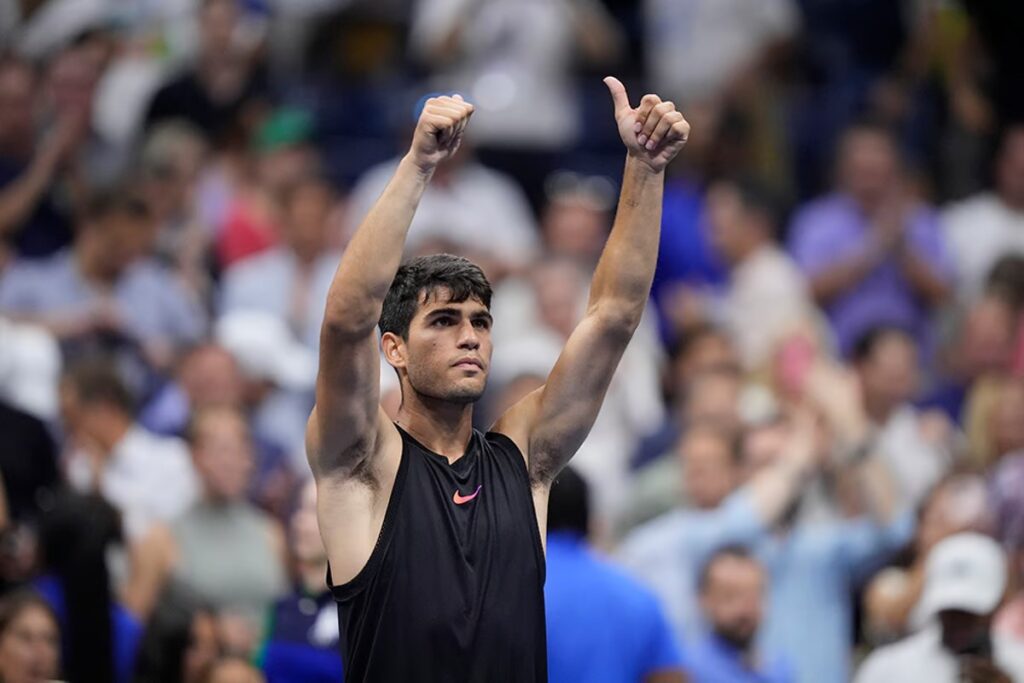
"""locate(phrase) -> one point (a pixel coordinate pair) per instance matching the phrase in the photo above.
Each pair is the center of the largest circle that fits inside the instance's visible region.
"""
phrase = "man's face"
(448, 352)
(868, 166)
(709, 472)
(306, 222)
(122, 240)
(307, 545)
(16, 102)
(732, 599)
(728, 222)
(223, 455)
(889, 375)
(964, 632)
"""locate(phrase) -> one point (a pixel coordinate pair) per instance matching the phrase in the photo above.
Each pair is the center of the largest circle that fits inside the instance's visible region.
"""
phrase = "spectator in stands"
(995, 419)
(732, 595)
(986, 226)
(106, 287)
(146, 477)
(965, 579)
(224, 549)
(291, 280)
(955, 505)
(29, 639)
(982, 347)
(33, 216)
(668, 551)
(171, 162)
(872, 254)
(225, 84)
(302, 644)
(601, 625)
(766, 298)
(576, 217)
(180, 645)
(916, 446)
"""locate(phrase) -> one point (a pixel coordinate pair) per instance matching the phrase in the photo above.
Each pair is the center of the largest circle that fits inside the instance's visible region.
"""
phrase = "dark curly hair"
(421, 278)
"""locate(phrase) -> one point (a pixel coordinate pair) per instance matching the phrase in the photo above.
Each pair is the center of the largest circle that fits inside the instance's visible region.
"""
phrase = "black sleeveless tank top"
(453, 592)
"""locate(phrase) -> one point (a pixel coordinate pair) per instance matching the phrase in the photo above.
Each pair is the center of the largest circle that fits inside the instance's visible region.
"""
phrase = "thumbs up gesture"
(653, 132)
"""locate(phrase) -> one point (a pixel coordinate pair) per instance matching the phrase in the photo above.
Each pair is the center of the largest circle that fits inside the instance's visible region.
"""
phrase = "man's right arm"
(345, 424)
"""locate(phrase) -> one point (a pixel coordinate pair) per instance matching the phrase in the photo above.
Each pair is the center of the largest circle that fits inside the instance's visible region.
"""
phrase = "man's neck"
(442, 426)
(111, 432)
(86, 259)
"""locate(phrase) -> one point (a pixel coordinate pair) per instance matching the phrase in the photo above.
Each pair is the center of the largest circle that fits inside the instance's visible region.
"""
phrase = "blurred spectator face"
(203, 647)
(735, 230)
(713, 397)
(307, 546)
(172, 161)
(956, 505)
(223, 454)
(889, 374)
(558, 286)
(1008, 417)
(306, 222)
(707, 351)
(709, 468)
(117, 240)
(575, 229)
(868, 166)
(17, 83)
(218, 20)
(209, 376)
(72, 80)
(29, 647)
(988, 336)
(1010, 168)
(732, 598)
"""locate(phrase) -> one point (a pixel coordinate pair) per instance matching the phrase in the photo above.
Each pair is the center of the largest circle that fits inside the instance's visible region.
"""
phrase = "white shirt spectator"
(921, 657)
(148, 478)
(478, 208)
(274, 282)
(979, 230)
(694, 47)
(766, 300)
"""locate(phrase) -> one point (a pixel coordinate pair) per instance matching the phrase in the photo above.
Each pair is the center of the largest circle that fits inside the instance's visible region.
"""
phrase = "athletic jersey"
(453, 591)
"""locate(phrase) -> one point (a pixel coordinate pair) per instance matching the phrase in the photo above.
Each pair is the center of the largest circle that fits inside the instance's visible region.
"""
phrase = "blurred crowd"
(810, 464)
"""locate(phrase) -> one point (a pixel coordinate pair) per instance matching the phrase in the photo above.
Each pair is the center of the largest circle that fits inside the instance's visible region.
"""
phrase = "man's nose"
(469, 337)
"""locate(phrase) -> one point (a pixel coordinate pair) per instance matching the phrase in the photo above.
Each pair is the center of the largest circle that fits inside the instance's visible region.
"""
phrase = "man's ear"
(394, 349)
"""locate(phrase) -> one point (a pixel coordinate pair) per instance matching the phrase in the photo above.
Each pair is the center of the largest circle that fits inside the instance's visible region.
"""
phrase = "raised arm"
(551, 423)
(344, 427)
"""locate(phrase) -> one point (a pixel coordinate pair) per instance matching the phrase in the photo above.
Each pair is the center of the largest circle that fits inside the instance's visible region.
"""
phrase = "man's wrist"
(423, 169)
(635, 164)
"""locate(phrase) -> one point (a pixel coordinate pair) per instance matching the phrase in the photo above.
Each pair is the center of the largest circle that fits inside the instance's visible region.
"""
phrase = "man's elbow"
(618, 318)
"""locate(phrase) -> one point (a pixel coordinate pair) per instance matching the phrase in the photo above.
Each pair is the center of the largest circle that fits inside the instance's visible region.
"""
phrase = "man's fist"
(654, 132)
(439, 130)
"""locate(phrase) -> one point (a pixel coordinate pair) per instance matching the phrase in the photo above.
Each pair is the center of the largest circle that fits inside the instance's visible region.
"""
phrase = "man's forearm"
(372, 257)
(622, 280)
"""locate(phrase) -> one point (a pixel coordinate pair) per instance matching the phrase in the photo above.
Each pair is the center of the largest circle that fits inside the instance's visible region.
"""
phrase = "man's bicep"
(347, 416)
(556, 419)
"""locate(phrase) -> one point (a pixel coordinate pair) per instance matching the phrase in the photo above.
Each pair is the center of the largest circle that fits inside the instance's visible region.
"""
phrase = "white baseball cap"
(265, 348)
(966, 572)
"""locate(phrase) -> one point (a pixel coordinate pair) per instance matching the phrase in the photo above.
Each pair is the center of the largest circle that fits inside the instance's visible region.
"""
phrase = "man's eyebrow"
(438, 312)
(485, 315)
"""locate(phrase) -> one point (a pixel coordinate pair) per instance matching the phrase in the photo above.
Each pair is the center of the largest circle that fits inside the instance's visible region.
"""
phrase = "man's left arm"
(549, 424)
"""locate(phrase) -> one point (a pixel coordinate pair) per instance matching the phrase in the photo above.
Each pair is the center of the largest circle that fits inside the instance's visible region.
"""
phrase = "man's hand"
(654, 132)
(439, 130)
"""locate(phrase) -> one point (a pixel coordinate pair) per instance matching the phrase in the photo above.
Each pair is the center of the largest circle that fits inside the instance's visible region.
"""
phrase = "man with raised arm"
(434, 531)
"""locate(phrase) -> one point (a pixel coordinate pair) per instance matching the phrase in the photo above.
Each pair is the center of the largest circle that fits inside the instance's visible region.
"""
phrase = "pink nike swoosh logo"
(462, 500)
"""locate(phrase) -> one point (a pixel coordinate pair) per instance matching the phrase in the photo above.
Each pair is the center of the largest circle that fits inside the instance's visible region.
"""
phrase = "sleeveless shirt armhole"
(524, 470)
(347, 591)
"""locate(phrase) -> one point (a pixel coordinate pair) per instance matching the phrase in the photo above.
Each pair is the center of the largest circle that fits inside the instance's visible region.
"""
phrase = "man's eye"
(442, 322)
(482, 324)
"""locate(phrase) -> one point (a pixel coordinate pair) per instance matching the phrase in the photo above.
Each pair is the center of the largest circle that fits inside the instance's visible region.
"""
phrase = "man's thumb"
(618, 91)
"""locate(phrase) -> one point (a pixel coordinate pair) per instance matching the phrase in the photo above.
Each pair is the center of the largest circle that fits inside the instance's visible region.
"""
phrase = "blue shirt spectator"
(872, 257)
(303, 644)
(602, 626)
(712, 660)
